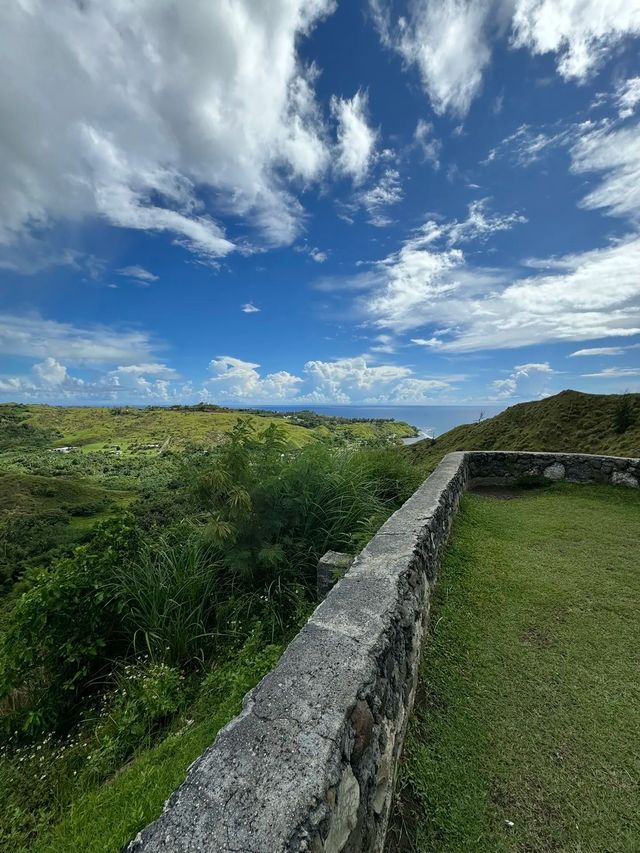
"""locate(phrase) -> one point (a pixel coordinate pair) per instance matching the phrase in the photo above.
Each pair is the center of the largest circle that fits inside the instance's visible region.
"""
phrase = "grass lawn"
(526, 730)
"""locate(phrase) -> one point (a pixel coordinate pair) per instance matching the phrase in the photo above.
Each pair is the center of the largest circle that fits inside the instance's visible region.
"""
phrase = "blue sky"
(427, 201)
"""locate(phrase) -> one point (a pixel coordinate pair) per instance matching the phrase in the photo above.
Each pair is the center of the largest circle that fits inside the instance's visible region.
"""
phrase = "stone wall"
(310, 763)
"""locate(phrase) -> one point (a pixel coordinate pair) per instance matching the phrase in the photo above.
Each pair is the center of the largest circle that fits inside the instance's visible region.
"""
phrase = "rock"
(345, 816)
(555, 471)
(622, 478)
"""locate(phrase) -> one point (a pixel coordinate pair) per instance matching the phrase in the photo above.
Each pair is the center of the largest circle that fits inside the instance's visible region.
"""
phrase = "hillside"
(65, 468)
(570, 421)
(133, 430)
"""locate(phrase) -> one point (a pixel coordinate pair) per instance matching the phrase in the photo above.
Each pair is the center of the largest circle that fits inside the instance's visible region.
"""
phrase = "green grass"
(571, 422)
(529, 697)
(25, 494)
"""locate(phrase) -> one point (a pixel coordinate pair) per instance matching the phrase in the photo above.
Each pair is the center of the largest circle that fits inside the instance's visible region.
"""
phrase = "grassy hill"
(570, 421)
(99, 428)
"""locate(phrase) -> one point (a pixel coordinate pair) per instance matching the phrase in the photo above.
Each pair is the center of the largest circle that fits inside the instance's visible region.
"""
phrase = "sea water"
(430, 421)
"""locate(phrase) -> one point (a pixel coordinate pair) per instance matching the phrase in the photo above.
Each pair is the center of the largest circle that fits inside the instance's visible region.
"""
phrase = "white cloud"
(430, 343)
(48, 379)
(428, 145)
(139, 273)
(234, 379)
(532, 367)
(526, 146)
(192, 100)
(147, 369)
(384, 343)
(51, 372)
(356, 140)
(35, 336)
(447, 41)
(582, 33)
(615, 153)
(529, 379)
(596, 351)
(342, 381)
(629, 97)
(479, 224)
(450, 42)
(250, 308)
(51, 381)
(318, 256)
(582, 296)
(386, 192)
(614, 373)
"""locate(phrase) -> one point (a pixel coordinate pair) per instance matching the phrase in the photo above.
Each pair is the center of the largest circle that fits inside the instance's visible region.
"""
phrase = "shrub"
(274, 512)
(145, 697)
(62, 631)
(623, 414)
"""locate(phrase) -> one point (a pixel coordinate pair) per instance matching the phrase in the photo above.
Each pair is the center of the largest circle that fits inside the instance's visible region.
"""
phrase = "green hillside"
(99, 428)
(570, 421)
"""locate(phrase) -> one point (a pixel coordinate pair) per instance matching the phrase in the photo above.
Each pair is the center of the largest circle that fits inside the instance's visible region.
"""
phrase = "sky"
(317, 202)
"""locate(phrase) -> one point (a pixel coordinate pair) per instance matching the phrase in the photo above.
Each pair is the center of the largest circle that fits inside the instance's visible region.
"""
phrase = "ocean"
(429, 420)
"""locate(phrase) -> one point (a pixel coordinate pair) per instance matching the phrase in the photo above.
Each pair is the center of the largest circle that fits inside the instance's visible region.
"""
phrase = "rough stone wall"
(573, 467)
(310, 763)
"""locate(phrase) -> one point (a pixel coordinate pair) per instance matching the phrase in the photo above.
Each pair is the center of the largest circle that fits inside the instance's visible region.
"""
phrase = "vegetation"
(155, 565)
(130, 430)
(525, 729)
(569, 421)
(623, 415)
(129, 638)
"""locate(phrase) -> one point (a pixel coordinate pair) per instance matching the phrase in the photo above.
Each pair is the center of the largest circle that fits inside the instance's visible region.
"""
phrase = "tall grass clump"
(171, 595)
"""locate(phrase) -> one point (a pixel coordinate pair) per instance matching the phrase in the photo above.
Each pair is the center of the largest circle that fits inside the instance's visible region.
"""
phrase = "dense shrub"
(60, 632)
(274, 513)
(623, 415)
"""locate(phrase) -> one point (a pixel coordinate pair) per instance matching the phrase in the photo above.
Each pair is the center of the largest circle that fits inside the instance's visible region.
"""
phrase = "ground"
(526, 726)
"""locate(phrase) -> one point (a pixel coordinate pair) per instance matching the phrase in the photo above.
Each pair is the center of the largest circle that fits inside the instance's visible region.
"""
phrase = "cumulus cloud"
(51, 381)
(47, 379)
(234, 379)
(51, 372)
(342, 381)
(192, 101)
(356, 140)
(250, 308)
(450, 42)
(524, 378)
